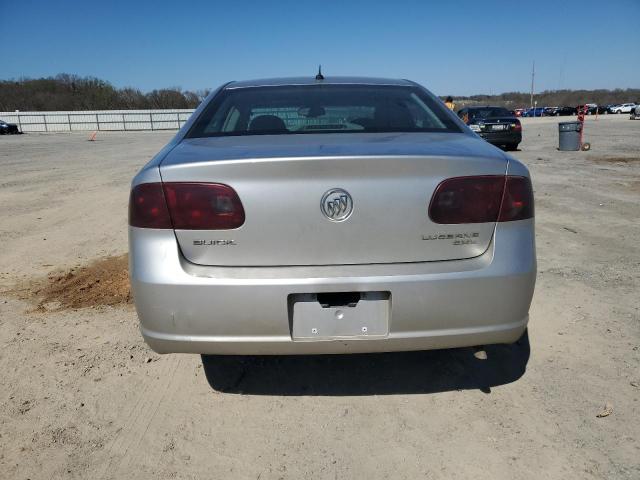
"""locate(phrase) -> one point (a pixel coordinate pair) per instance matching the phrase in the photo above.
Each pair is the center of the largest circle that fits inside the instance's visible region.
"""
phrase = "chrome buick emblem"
(336, 204)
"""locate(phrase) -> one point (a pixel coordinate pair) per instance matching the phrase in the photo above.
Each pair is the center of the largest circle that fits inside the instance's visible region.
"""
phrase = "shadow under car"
(430, 371)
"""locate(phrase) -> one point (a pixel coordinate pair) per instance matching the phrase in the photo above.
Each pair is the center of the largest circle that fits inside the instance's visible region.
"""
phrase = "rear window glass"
(489, 112)
(301, 109)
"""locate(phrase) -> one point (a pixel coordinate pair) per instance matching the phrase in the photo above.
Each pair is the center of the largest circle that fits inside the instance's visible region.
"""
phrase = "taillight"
(517, 126)
(147, 207)
(467, 200)
(203, 206)
(185, 206)
(481, 199)
(517, 202)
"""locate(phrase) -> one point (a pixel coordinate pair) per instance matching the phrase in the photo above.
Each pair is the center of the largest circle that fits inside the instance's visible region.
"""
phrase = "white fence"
(98, 120)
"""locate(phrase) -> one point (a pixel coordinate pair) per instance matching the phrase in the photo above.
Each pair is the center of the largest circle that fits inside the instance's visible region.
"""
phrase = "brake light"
(147, 207)
(467, 200)
(481, 199)
(185, 206)
(517, 126)
(203, 206)
(517, 201)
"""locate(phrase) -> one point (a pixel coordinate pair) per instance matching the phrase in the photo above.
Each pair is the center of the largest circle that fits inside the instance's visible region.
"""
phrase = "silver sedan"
(330, 215)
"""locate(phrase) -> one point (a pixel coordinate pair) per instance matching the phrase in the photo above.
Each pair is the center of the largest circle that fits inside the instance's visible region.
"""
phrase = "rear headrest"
(269, 123)
(393, 115)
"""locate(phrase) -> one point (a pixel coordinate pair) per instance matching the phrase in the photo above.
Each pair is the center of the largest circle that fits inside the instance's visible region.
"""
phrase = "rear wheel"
(524, 338)
(511, 147)
(225, 372)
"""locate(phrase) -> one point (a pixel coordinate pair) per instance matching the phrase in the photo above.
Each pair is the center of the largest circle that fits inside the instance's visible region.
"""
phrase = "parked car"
(564, 111)
(496, 125)
(588, 108)
(8, 128)
(635, 113)
(624, 108)
(338, 215)
(518, 112)
(534, 112)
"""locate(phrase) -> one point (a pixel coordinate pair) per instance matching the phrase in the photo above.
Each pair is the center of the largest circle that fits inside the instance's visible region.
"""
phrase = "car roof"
(285, 81)
(484, 106)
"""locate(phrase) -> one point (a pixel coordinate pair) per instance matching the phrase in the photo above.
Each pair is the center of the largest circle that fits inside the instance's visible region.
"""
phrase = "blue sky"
(453, 47)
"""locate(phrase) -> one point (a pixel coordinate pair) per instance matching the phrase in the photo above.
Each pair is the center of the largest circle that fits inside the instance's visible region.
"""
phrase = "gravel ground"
(82, 396)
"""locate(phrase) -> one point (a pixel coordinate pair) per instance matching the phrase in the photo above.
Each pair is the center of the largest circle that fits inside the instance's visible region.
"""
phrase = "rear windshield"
(318, 109)
(489, 112)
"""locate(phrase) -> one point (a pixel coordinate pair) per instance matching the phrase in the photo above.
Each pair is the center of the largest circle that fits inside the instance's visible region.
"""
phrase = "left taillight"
(185, 206)
(147, 207)
(203, 206)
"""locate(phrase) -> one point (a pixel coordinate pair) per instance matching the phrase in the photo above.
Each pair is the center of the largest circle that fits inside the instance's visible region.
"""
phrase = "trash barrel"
(569, 135)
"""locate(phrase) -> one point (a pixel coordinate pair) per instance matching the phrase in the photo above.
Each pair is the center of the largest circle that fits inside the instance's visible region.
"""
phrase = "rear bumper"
(500, 138)
(225, 310)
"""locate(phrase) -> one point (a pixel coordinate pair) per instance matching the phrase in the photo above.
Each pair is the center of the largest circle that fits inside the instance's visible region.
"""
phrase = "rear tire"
(524, 338)
(511, 147)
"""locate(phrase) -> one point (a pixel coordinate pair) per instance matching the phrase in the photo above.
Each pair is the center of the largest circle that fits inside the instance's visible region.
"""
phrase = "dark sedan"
(496, 125)
(560, 111)
(8, 128)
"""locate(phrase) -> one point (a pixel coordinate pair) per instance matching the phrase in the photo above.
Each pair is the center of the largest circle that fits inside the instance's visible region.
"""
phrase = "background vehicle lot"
(78, 397)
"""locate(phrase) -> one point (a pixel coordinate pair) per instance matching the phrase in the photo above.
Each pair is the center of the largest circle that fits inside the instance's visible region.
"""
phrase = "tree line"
(553, 98)
(72, 92)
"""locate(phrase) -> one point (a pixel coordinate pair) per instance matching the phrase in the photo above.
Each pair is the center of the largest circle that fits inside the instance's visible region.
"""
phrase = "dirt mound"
(102, 282)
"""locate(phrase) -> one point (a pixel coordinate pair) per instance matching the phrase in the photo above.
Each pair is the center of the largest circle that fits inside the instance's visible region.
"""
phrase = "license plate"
(498, 127)
(368, 318)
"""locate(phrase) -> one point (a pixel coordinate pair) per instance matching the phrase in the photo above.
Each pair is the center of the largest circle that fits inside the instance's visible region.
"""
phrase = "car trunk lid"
(497, 124)
(282, 182)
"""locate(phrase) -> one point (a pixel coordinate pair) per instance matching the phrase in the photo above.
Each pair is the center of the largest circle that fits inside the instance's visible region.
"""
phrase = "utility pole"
(533, 74)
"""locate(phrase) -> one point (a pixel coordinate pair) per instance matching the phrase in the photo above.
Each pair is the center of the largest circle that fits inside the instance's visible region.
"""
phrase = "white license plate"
(369, 318)
(498, 127)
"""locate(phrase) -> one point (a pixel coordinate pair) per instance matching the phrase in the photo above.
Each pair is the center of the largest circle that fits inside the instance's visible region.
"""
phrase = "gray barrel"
(569, 135)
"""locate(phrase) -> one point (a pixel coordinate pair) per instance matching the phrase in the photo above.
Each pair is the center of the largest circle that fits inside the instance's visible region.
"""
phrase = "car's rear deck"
(198, 309)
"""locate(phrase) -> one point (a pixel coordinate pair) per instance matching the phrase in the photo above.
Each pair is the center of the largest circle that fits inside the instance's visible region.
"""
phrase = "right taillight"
(482, 199)
(185, 206)
(517, 201)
